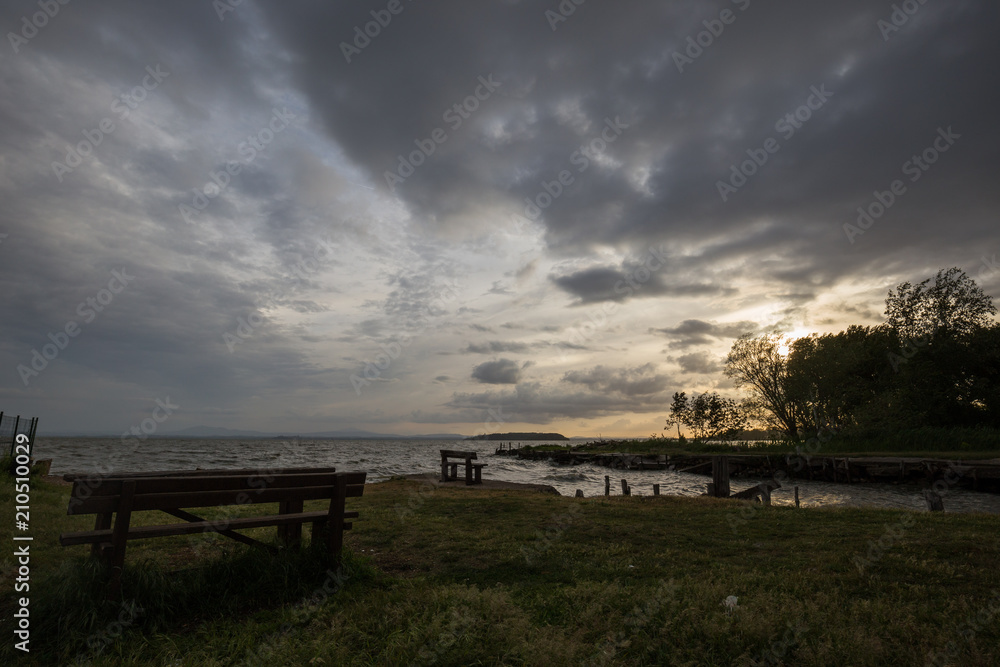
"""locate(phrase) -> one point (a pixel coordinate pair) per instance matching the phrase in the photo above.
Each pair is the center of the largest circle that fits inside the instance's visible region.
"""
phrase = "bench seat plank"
(97, 504)
(244, 472)
(209, 526)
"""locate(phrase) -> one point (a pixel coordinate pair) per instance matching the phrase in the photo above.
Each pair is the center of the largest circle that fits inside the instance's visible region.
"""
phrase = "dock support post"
(933, 500)
(720, 476)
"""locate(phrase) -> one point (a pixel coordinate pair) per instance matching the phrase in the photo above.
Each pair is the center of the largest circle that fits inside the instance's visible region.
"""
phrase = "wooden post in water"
(720, 476)
(796, 496)
(625, 491)
(933, 500)
(579, 493)
(607, 485)
(656, 489)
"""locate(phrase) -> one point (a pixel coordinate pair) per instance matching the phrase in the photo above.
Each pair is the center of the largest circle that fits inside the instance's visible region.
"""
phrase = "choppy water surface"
(382, 459)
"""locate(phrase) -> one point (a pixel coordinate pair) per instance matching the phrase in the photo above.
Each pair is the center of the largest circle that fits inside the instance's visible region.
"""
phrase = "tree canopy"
(934, 362)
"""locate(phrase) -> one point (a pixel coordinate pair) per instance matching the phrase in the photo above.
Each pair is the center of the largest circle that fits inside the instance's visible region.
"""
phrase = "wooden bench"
(171, 492)
(449, 469)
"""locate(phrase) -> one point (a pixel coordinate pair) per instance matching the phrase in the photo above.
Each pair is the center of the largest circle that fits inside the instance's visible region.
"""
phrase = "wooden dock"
(979, 475)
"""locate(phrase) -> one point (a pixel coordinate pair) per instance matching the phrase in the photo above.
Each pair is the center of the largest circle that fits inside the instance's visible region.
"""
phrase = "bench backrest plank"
(450, 453)
(245, 472)
(111, 486)
(160, 493)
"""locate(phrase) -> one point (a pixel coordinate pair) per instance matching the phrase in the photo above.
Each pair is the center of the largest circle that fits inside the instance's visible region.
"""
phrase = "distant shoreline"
(519, 436)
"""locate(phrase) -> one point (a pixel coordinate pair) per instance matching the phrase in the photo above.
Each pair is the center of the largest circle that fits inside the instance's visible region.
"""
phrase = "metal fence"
(11, 427)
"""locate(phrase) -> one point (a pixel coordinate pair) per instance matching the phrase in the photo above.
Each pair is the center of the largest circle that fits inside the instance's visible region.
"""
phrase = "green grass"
(475, 577)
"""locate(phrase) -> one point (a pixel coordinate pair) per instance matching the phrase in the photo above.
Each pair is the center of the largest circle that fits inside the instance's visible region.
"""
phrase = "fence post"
(607, 485)
(656, 489)
(13, 436)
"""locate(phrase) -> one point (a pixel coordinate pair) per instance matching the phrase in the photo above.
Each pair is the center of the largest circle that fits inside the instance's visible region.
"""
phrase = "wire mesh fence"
(11, 426)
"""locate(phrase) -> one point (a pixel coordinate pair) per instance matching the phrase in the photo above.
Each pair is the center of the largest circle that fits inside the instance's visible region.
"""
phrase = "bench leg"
(454, 471)
(479, 475)
(468, 473)
(335, 520)
(444, 471)
(291, 533)
(119, 538)
(103, 522)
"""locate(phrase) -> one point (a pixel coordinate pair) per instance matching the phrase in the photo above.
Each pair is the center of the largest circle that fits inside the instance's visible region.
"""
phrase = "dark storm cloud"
(501, 371)
(699, 362)
(611, 284)
(658, 180)
(690, 333)
(592, 123)
(639, 381)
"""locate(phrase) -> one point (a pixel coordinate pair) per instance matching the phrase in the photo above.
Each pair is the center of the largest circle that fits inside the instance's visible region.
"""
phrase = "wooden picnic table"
(449, 469)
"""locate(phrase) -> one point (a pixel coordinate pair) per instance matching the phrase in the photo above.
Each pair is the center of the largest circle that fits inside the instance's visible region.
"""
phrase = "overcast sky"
(458, 216)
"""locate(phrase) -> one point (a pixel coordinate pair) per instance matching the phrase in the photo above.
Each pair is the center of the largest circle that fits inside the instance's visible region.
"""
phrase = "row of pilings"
(976, 475)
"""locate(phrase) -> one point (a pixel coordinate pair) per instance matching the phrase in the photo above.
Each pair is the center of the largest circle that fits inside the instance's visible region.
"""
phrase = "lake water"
(382, 459)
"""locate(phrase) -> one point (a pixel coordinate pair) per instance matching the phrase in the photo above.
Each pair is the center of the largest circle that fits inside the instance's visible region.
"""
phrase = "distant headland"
(519, 436)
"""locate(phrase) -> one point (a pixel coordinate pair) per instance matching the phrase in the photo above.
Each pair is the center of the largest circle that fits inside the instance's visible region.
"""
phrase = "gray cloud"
(638, 381)
(496, 346)
(690, 333)
(501, 371)
(704, 363)
(612, 284)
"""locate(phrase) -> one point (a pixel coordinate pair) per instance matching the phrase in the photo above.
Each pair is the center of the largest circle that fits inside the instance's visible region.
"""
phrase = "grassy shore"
(458, 576)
